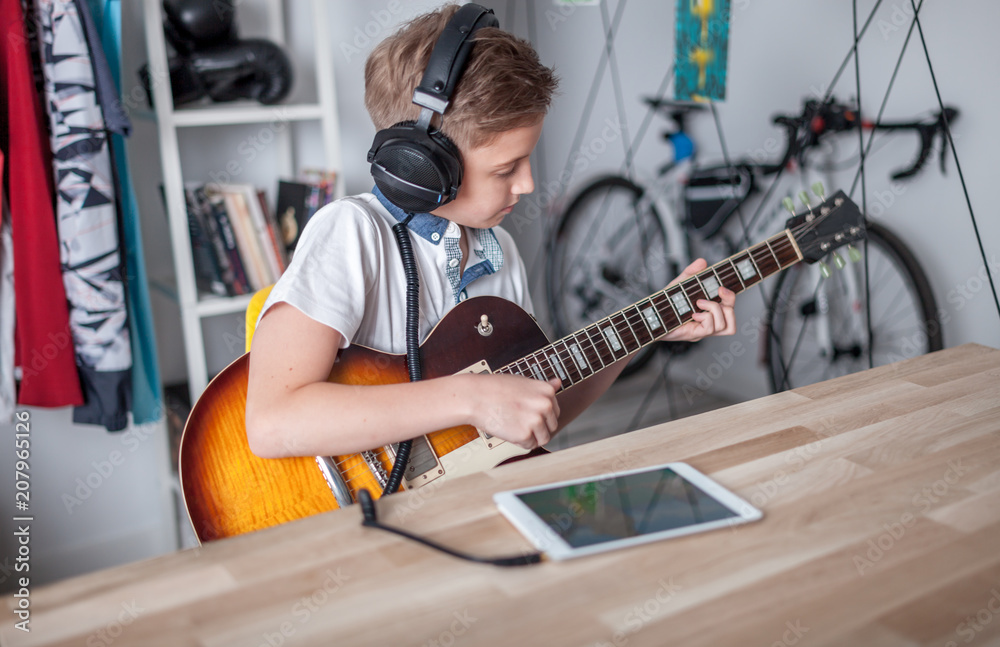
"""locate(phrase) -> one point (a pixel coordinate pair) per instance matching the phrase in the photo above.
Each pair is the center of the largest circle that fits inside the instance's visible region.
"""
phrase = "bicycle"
(619, 240)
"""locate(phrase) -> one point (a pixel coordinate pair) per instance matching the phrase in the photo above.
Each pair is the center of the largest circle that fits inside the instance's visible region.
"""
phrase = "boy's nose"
(525, 183)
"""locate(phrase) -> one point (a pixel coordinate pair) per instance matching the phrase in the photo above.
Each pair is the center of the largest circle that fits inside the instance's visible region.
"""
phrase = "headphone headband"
(449, 55)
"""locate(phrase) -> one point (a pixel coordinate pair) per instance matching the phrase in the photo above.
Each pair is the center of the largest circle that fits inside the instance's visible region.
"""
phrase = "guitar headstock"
(821, 229)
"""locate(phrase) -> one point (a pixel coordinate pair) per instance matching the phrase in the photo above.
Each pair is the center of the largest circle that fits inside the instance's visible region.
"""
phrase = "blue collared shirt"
(434, 229)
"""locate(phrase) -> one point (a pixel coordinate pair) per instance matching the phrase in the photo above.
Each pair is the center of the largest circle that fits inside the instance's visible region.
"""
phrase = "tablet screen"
(623, 506)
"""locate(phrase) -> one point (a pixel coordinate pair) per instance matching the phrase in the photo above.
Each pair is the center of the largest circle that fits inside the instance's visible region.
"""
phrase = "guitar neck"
(580, 355)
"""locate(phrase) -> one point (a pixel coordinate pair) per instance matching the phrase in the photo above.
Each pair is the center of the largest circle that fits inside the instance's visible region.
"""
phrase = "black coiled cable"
(412, 339)
(403, 449)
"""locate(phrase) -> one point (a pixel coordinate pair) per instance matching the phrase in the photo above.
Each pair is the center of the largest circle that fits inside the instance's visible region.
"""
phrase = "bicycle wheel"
(818, 330)
(608, 252)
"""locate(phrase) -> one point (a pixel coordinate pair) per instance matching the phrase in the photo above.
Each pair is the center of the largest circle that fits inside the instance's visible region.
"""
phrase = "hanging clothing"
(8, 395)
(44, 346)
(147, 403)
(87, 217)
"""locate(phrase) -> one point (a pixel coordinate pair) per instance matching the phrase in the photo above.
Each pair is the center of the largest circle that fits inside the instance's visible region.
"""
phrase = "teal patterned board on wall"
(702, 47)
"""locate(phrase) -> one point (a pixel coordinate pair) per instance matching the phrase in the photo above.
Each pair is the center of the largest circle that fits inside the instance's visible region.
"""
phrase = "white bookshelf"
(195, 308)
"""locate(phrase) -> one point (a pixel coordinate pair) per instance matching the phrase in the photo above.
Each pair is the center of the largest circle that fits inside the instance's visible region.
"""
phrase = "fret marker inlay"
(555, 361)
(612, 336)
(578, 357)
(537, 372)
(746, 269)
(652, 318)
(680, 302)
(711, 286)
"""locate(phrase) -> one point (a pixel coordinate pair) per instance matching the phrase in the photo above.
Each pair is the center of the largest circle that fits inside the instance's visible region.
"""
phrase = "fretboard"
(580, 355)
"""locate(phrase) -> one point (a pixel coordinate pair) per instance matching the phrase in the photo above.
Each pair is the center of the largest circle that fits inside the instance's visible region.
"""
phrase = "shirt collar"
(424, 225)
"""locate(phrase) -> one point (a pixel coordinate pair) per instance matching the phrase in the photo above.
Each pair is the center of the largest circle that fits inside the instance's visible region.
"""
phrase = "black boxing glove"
(192, 25)
(247, 69)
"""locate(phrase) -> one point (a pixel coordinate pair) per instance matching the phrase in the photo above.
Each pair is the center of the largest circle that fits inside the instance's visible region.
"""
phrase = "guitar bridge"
(423, 465)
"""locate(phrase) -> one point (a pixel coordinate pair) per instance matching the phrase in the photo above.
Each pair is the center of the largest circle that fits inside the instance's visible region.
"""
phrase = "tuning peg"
(824, 270)
(853, 253)
(804, 199)
(838, 261)
(789, 205)
(820, 192)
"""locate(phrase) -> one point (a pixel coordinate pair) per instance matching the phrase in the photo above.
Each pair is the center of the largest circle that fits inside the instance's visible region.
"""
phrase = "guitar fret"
(566, 358)
(578, 357)
(679, 300)
(562, 355)
(629, 347)
(611, 335)
(557, 364)
(700, 286)
(788, 243)
(748, 270)
(652, 318)
(773, 255)
(596, 345)
(666, 309)
(647, 335)
(763, 259)
(711, 284)
(536, 371)
(736, 273)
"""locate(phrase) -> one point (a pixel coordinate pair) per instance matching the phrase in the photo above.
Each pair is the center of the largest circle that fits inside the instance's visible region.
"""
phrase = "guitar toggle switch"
(484, 326)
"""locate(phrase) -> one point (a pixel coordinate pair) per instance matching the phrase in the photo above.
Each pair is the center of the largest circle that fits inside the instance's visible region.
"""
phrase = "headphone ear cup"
(416, 170)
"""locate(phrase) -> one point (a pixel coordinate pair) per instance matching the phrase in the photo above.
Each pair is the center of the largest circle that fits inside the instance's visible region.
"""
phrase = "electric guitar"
(230, 491)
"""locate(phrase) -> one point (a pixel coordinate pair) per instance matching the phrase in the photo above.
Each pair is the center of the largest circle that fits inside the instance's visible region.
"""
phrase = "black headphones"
(416, 167)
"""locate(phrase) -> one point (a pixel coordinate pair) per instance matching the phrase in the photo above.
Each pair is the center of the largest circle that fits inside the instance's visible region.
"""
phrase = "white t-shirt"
(346, 272)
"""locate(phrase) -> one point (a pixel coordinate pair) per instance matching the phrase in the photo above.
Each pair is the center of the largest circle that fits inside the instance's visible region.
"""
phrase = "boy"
(345, 284)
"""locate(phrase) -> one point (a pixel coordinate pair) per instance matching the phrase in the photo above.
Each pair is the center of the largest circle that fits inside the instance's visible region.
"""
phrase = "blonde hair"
(504, 86)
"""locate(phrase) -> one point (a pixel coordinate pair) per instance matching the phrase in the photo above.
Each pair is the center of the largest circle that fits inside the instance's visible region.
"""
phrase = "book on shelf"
(216, 207)
(299, 199)
(208, 273)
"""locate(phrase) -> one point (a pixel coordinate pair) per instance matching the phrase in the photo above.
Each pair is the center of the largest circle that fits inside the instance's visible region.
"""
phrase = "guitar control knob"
(484, 327)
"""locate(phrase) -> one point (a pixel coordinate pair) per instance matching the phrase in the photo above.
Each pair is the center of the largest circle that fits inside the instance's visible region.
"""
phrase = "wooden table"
(881, 494)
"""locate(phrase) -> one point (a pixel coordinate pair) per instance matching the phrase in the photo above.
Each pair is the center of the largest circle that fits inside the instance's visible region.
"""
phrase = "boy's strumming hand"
(517, 409)
(711, 318)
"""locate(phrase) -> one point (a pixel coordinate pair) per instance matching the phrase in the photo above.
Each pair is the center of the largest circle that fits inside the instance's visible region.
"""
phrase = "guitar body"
(230, 491)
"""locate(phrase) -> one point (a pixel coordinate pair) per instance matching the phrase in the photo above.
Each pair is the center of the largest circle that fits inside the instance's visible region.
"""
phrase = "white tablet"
(595, 514)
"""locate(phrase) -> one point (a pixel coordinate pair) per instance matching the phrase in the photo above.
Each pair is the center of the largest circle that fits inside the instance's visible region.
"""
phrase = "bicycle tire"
(594, 269)
(796, 358)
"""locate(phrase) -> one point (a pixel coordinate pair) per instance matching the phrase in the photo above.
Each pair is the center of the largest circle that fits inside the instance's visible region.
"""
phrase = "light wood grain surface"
(881, 495)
